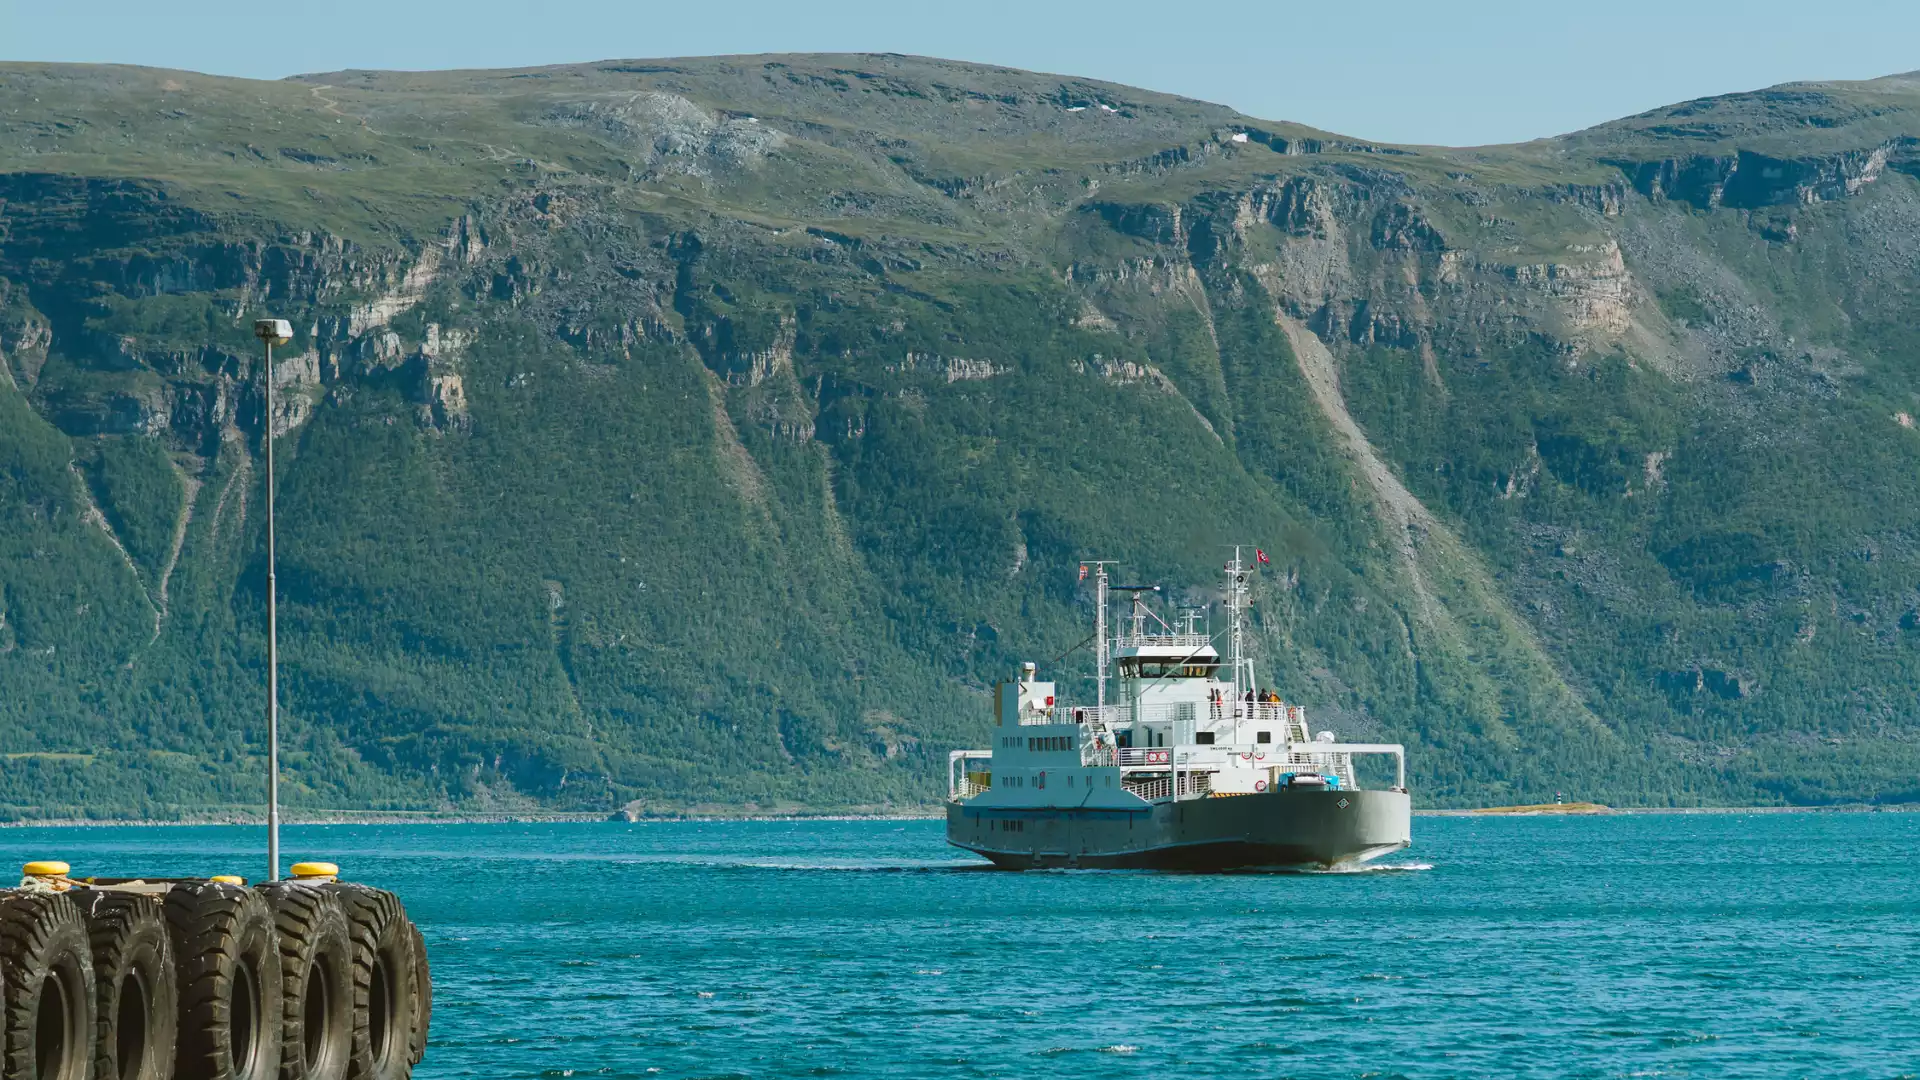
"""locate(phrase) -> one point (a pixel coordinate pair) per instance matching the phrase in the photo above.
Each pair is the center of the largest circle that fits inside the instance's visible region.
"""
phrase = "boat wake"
(1315, 871)
(902, 866)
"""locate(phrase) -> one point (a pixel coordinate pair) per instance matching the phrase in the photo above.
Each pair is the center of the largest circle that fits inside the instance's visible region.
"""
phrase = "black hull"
(1275, 829)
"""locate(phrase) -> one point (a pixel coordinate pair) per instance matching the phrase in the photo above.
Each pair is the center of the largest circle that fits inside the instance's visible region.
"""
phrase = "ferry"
(1182, 770)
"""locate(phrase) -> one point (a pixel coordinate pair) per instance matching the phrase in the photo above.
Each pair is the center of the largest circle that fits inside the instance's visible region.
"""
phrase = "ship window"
(1204, 738)
(1263, 736)
(1169, 668)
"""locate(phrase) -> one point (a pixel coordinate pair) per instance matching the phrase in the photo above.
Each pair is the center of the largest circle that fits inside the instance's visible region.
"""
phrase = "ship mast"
(1237, 606)
(1102, 654)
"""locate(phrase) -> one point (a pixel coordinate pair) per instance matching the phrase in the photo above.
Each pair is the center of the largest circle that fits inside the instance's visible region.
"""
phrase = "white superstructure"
(1181, 723)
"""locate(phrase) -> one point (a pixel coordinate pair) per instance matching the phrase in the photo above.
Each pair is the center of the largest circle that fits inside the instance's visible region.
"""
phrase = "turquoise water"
(1703, 946)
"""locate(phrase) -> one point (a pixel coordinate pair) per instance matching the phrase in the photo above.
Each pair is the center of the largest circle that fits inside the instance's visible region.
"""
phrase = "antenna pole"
(272, 332)
(273, 654)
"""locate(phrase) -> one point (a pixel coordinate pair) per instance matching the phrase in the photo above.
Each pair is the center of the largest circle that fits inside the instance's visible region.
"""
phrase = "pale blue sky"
(1460, 72)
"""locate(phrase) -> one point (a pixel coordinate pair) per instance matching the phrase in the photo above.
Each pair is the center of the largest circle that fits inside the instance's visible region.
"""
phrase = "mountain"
(713, 433)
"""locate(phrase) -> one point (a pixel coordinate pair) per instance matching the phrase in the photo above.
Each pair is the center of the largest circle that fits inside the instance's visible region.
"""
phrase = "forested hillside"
(711, 434)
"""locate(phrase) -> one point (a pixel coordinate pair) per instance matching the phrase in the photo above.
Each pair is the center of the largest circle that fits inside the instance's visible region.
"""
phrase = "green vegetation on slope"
(714, 433)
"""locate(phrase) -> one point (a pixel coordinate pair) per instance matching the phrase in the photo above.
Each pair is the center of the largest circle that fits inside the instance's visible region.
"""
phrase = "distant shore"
(456, 817)
(1596, 809)
(416, 817)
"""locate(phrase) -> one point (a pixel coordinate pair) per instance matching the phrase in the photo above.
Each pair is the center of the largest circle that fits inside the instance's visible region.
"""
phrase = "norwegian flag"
(1083, 571)
(1260, 557)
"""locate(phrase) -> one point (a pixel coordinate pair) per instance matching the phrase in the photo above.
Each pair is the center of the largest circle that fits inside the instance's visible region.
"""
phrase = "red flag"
(1260, 557)
(1083, 571)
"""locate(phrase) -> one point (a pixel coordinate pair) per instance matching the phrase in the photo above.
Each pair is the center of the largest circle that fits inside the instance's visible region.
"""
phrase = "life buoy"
(1246, 757)
(1259, 757)
(1259, 785)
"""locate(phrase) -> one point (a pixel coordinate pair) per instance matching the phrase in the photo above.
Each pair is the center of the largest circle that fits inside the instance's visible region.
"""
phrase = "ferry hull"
(1282, 828)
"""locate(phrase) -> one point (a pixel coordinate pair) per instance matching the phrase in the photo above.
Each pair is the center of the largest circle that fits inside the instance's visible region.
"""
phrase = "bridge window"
(1148, 668)
(1263, 736)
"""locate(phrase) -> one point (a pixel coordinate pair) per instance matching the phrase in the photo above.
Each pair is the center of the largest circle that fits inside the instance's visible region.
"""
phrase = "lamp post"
(272, 332)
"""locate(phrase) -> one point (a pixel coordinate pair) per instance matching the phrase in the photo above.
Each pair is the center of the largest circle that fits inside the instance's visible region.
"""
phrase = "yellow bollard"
(315, 871)
(47, 875)
(228, 879)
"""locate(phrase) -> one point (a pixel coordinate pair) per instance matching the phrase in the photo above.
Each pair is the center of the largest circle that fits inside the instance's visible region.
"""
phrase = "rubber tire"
(226, 952)
(423, 993)
(132, 955)
(43, 941)
(316, 942)
(384, 998)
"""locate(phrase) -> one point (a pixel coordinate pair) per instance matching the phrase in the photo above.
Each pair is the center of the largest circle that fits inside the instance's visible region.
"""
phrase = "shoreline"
(415, 817)
(1587, 810)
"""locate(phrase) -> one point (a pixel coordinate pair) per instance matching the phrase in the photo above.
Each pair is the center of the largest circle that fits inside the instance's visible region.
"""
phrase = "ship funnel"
(1026, 671)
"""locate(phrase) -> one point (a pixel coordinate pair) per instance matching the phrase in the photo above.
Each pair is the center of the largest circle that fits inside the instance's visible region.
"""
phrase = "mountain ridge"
(714, 431)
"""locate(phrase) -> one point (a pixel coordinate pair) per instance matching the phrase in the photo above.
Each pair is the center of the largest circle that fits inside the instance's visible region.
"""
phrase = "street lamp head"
(273, 331)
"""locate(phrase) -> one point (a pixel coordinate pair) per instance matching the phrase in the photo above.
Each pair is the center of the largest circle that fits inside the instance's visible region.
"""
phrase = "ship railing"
(1151, 790)
(1287, 721)
(1340, 765)
(1337, 759)
(1159, 712)
(969, 772)
(1192, 785)
(1327, 758)
(1175, 641)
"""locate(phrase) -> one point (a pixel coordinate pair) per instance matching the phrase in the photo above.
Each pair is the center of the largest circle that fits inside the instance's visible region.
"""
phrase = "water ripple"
(1772, 945)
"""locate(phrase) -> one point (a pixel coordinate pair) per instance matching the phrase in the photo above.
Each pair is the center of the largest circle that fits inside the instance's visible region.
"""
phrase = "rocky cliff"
(714, 432)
